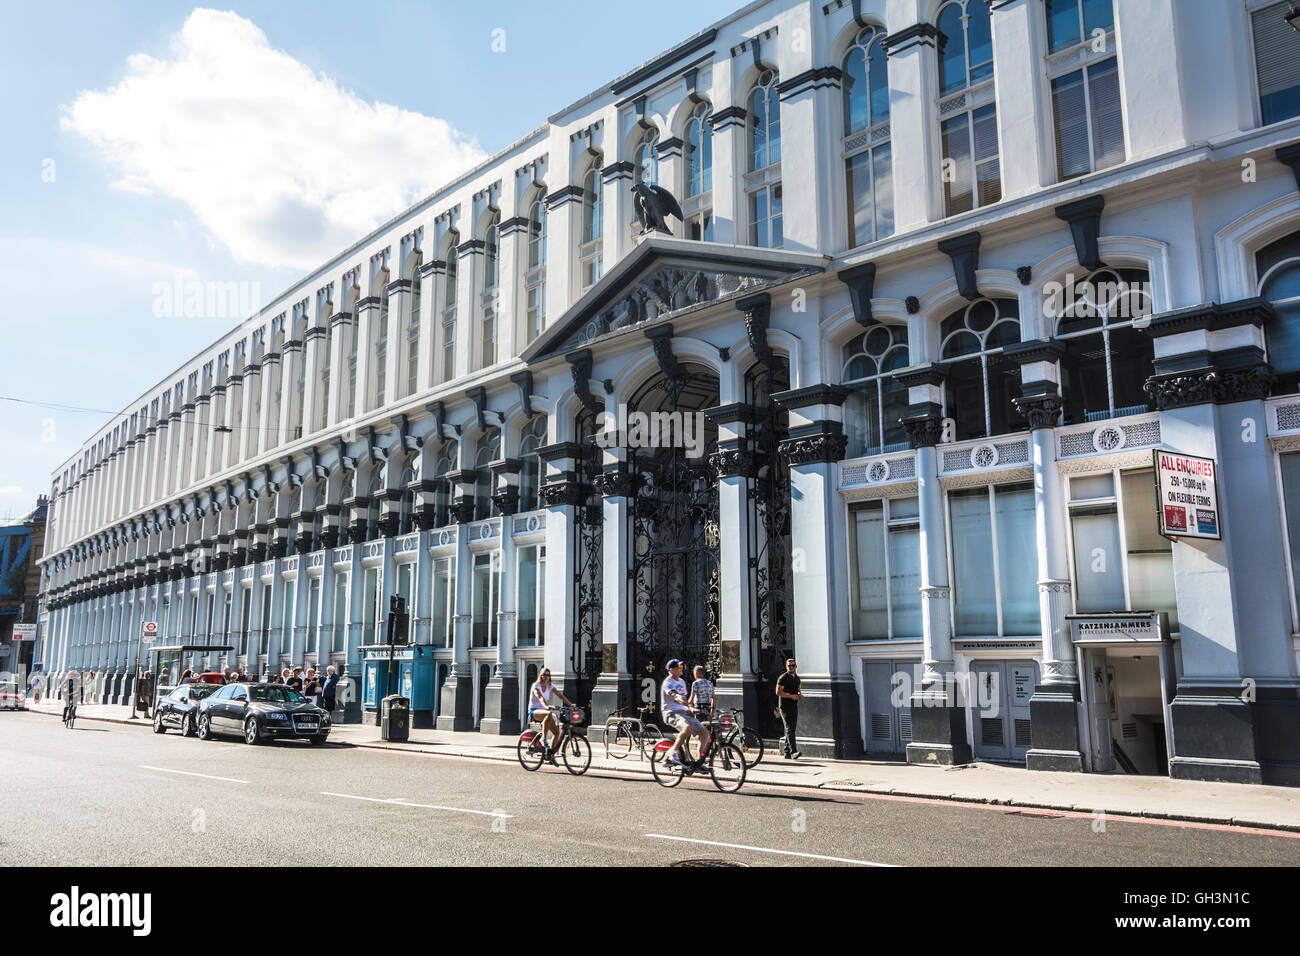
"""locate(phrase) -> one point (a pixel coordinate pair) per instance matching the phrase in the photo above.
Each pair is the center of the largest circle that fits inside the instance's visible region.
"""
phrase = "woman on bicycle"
(541, 697)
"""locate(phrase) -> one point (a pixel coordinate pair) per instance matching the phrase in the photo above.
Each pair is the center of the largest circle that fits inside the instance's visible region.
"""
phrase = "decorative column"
(339, 328)
(729, 155)
(830, 715)
(563, 495)
(735, 466)
(268, 424)
(457, 703)
(395, 352)
(252, 386)
(501, 698)
(938, 718)
(617, 686)
(913, 78)
(430, 323)
(1054, 707)
(290, 412)
(234, 408)
(1018, 95)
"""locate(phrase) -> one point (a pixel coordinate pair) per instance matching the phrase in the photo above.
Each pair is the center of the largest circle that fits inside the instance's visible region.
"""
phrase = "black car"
(180, 708)
(257, 711)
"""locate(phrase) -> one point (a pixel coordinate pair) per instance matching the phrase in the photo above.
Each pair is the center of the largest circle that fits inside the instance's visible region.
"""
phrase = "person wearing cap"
(677, 712)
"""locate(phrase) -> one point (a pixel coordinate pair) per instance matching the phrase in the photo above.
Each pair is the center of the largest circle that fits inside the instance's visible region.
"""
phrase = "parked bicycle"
(723, 761)
(532, 750)
(732, 725)
(625, 732)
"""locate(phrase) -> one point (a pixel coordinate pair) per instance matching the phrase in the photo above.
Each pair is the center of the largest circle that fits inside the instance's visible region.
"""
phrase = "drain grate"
(708, 862)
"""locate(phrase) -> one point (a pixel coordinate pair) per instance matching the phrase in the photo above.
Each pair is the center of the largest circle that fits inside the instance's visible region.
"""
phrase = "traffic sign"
(148, 631)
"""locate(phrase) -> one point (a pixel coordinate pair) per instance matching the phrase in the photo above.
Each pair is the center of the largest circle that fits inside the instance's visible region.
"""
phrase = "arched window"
(969, 127)
(645, 161)
(530, 464)
(488, 322)
(765, 214)
(535, 275)
(697, 206)
(1106, 359)
(413, 329)
(868, 159)
(1278, 266)
(981, 382)
(590, 252)
(450, 280)
(878, 401)
(489, 450)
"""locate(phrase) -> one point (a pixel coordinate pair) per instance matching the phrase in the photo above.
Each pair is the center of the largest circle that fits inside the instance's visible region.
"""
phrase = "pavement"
(1227, 804)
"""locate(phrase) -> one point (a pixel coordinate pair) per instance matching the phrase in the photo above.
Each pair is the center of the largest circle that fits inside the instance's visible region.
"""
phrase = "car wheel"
(250, 732)
(158, 726)
(188, 727)
(205, 727)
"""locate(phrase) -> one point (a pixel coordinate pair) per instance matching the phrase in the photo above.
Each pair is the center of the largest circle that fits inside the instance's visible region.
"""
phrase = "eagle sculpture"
(654, 205)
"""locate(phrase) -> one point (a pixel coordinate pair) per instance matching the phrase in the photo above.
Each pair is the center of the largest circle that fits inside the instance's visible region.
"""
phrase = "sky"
(161, 143)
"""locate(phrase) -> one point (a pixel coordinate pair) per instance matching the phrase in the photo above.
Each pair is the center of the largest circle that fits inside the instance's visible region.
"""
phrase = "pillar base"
(1054, 729)
(741, 692)
(1214, 735)
(457, 710)
(1277, 735)
(613, 692)
(501, 707)
(938, 729)
(830, 718)
(422, 720)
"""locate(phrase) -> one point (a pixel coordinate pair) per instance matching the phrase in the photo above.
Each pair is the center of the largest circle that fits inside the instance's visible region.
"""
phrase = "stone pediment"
(665, 278)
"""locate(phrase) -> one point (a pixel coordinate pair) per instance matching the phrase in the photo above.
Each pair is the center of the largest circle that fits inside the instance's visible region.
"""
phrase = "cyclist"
(541, 697)
(70, 689)
(673, 704)
(701, 693)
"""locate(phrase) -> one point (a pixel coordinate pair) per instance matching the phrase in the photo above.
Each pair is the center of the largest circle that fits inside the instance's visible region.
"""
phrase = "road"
(108, 794)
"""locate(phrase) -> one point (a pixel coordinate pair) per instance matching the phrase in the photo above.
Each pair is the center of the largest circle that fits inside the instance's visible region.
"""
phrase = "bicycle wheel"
(750, 744)
(666, 773)
(727, 767)
(622, 744)
(530, 751)
(577, 755)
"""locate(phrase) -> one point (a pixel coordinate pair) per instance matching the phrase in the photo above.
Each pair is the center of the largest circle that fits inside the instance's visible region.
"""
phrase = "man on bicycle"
(673, 705)
(70, 691)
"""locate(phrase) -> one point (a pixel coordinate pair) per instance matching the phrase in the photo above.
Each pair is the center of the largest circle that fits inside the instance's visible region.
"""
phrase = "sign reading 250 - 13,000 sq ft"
(1187, 489)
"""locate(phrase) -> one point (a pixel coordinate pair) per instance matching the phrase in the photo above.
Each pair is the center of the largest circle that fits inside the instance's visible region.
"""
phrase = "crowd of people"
(321, 688)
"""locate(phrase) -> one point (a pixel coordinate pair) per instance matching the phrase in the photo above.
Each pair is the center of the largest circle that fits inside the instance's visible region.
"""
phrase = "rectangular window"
(484, 586)
(289, 617)
(442, 606)
(488, 339)
(1088, 119)
(264, 642)
(406, 590)
(765, 217)
(870, 185)
(972, 176)
(1072, 21)
(372, 622)
(245, 618)
(535, 316)
(1121, 563)
(1277, 63)
(885, 569)
(313, 615)
(532, 596)
(449, 348)
(339, 631)
(994, 561)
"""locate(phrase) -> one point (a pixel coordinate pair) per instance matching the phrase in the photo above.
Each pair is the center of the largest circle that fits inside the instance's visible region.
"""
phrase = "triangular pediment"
(664, 278)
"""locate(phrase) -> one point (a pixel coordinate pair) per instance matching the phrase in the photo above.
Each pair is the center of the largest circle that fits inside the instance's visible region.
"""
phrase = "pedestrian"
(294, 681)
(144, 692)
(240, 676)
(330, 688)
(187, 677)
(284, 676)
(37, 683)
(701, 693)
(311, 686)
(225, 675)
(88, 689)
(787, 690)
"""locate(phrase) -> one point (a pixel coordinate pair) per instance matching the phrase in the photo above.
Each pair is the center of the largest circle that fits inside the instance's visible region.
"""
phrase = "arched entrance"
(674, 576)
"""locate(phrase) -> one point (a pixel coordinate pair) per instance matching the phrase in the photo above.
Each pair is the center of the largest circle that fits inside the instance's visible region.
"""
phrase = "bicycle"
(532, 751)
(736, 733)
(629, 733)
(725, 763)
(69, 714)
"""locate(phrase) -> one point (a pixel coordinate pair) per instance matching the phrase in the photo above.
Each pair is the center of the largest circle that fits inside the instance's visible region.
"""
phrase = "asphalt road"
(107, 794)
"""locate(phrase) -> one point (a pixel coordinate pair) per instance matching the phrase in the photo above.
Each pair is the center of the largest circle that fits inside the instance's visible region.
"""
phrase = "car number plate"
(307, 725)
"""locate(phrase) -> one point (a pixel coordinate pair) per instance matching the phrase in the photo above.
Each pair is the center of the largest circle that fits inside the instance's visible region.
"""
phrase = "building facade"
(887, 399)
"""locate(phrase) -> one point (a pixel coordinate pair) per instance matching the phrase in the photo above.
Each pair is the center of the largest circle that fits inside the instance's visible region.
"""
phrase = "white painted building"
(949, 273)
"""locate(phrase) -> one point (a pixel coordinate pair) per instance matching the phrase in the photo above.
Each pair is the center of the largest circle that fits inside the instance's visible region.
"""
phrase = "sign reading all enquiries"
(1187, 494)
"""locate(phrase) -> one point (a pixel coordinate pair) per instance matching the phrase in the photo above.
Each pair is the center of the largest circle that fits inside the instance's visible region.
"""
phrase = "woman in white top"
(541, 697)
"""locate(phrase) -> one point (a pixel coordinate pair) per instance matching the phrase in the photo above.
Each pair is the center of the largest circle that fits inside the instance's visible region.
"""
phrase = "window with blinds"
(1277, 63)
(1088, 119)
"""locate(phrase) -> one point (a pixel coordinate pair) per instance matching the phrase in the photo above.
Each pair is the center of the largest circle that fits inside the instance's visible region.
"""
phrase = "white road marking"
(423, 806)
(190, 774)
(760, 849)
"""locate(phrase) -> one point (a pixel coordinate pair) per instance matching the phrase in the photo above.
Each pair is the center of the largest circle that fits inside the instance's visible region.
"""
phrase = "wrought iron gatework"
(674, 578)
(770, 554)
(588, 521)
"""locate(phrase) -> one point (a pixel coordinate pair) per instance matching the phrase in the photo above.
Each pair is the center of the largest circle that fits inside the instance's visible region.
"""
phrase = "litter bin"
(396, 724)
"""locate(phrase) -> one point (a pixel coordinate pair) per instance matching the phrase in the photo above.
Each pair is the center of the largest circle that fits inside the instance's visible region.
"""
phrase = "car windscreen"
(199, 691)
(275, 695)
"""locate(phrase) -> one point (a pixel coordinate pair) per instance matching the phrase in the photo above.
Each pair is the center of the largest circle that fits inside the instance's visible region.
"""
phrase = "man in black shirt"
(787, 690)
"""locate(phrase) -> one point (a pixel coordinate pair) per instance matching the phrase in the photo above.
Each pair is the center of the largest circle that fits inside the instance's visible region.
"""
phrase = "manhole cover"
(707, 862)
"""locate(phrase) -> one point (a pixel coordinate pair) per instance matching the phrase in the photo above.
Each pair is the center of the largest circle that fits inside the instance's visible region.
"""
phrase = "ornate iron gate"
(770, 559)
(674, 578)
(588, 520)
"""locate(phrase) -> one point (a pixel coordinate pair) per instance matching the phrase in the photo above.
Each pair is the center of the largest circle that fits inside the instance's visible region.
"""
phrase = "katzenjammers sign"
(1187, 490)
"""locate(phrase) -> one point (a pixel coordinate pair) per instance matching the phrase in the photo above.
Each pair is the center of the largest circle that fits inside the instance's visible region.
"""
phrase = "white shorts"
(680, 721)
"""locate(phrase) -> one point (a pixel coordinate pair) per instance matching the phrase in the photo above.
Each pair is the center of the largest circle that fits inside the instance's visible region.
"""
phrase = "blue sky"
(240, 144)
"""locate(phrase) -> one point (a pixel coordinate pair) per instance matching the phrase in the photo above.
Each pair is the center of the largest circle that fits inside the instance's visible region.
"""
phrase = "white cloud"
(8, 491)
(282, 165)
